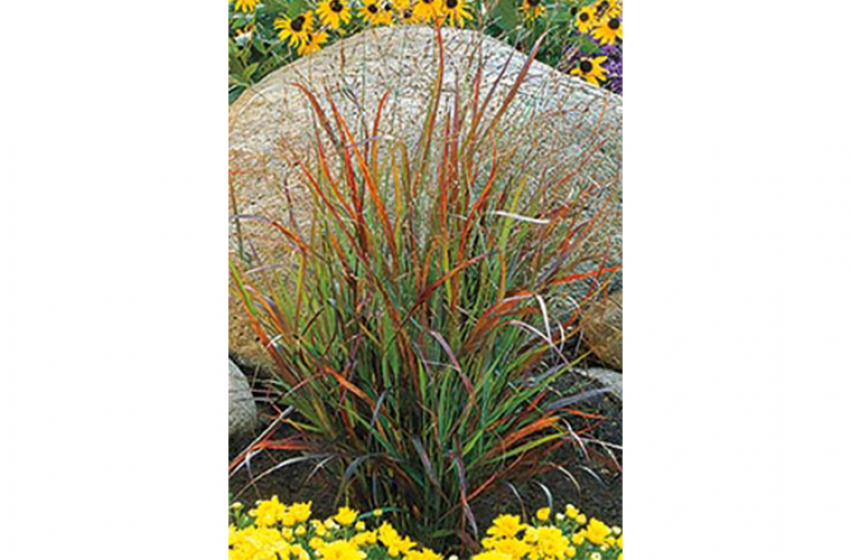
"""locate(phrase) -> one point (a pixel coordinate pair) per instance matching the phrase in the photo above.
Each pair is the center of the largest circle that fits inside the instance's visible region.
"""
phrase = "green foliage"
(427, 310)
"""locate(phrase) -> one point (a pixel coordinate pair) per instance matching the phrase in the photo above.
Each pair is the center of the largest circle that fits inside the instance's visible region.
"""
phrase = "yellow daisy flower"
(591, 69)
(296, 29)
(532, 9)
(608, 30)
(586, 20)
(374, 12)
(245, 5)
(428, 10)
(456, 11)
(543, 514)
(334, 13)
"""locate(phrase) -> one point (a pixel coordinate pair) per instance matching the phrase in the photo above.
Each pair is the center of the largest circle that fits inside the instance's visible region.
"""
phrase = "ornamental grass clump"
(429, 306)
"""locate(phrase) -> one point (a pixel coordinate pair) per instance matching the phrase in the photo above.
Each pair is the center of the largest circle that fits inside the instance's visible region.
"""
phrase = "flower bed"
(275, 531)
(583, 37)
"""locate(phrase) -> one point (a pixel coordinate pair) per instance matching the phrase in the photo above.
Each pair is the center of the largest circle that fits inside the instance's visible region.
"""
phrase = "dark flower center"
(585, 66)
(407, 14)
(584, 16)
(336, 6)
(388, 7)
(427, 1)
(614, 23)
(297, 24)
(373, 9)
(533, 3)
(451, 4)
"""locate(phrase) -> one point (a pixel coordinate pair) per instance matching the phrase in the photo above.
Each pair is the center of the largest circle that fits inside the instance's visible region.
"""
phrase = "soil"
(596, 490)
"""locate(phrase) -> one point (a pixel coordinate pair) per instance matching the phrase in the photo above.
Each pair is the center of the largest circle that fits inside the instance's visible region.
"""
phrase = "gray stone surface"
(242, 412)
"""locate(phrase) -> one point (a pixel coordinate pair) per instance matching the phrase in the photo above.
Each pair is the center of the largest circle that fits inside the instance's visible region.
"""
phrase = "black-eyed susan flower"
(245, 5)
(334, 13)
(428, 10)
(405, 10)
(296, 29)
(608, 30)
(607, 8)
(456, 11)
(532, 9)
(586, 20)
(374, 12)
(592, 70)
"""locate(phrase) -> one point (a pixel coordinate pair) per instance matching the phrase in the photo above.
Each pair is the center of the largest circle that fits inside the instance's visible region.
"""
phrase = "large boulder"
(242, 412)
(559, 123)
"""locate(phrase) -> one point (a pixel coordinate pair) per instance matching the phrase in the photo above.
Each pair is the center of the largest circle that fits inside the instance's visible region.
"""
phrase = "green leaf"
(506, 13)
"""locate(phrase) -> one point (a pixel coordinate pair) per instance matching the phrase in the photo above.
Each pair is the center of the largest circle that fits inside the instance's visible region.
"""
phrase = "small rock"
(607, 377)
(242, 412)
(604, 330)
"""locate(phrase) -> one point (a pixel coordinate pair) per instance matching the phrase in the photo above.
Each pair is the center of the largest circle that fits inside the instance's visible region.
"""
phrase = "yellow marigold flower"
(597, 531)
(586, 20)
(300, 531)
(515, 548)
(334, 13)
(268, 512)
(425, 554)
(620, 542)
(346, 516)
(456, 11)
(608, 30)
(298, 552)
(342, 550)
(427, 10)
(543, 514)
(295, 29)
(301, 511)
(578, 538)
(400, 546)
(533, 9)
(571, 511)
(366, 537)
(237, 505)
(245, 5)
(491, 555)
(287, 533)
(321, 530)
(360, 526)
(377, 12)
(288, 519)
(377, 512)
(620, 556)
(387, 533)
(571, 552)
(506, 526)
(547, 542)
(581, 519)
